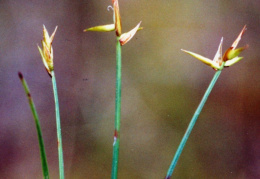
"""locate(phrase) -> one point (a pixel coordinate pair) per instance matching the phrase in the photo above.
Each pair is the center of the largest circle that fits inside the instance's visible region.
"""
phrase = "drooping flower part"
(229, 58)
(116, 26)
(47, 51)
(125, 37)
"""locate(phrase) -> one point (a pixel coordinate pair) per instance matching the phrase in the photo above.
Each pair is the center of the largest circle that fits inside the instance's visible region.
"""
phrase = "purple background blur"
(161, 88)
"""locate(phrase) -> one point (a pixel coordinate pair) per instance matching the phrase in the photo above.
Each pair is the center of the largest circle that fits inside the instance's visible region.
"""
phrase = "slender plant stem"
(191, 125)
(58, 125)
(117, 112)
(38, 128)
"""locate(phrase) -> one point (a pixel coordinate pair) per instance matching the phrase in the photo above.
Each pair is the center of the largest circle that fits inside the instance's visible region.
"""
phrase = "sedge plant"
(121, 39)
(38, 127)
(47, 58)
(229, 58)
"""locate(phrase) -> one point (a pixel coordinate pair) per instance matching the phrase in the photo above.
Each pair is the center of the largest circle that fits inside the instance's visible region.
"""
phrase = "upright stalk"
(191, 125)
(38, 128)
(58, 125)
(117, 111)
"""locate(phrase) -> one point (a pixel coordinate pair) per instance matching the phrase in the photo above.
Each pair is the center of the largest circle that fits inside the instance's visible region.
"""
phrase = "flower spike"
(47, 51)
(121, 39)
(229, 58)
(117, 27)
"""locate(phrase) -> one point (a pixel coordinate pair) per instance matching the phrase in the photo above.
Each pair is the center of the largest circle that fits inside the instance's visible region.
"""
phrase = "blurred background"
(161, 88)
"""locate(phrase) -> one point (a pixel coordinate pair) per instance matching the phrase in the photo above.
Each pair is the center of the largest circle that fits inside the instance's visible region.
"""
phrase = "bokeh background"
(162, 87)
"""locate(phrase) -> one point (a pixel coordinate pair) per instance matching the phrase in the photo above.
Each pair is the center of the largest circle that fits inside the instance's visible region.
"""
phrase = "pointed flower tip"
(53, 34)
(186, 51)
(244, 29)
(126, 37)
(221, 40)
(235, 43)
(140, 28)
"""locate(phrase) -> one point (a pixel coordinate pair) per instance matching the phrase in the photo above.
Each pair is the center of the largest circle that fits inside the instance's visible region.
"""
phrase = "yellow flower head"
(47, 51)
(116, 26)
(229, 58)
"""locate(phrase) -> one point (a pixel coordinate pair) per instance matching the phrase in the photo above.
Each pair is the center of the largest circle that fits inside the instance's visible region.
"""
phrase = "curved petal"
(126, 37)
(233, 61)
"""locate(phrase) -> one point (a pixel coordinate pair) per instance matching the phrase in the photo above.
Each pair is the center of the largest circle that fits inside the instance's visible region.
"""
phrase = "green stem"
(191, 125)
(58, 125)
(117, 112)
(38, 128)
